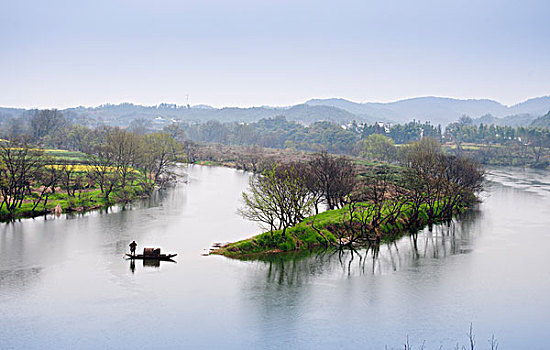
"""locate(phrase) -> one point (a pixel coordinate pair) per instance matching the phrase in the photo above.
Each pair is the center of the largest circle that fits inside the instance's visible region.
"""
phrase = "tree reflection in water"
(436, 242)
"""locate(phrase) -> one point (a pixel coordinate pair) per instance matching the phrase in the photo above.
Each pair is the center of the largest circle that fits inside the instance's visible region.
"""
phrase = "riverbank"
(118, 167)
(83, 201)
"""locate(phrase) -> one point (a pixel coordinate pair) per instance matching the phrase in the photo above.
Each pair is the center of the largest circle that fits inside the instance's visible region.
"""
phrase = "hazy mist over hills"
(440, 110)
(437, 110)
(543, 121)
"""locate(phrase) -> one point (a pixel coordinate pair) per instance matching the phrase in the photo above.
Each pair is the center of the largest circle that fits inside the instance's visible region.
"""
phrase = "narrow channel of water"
(64, 283)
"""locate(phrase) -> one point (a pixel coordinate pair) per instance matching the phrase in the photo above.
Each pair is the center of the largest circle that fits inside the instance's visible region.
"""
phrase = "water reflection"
(63, 282)
(17, 279)
(155, 200)
(149, 263)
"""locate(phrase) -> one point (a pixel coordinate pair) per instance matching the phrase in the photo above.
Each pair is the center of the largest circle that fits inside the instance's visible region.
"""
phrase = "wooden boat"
(153, 257)
(151, 254)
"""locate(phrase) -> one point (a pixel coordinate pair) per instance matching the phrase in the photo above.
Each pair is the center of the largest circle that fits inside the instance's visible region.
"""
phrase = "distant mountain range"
(440, 110)
(437, 110)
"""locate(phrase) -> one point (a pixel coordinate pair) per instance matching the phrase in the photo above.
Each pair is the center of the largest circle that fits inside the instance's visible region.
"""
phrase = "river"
(64, 283)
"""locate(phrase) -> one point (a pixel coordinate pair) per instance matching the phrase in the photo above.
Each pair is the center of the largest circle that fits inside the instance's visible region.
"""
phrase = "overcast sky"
(242, 53)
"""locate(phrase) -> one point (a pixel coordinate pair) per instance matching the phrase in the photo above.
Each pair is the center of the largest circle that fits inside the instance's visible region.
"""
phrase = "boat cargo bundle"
(151, 251)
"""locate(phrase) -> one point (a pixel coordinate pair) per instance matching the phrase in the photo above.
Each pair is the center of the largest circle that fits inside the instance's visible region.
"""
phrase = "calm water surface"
(65, 285)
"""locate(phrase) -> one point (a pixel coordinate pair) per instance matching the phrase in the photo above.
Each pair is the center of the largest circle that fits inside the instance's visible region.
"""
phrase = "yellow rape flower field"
(81, 168)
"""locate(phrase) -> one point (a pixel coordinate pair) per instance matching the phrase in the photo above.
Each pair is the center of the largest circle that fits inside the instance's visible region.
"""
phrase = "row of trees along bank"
(118, 166)
(490, 144)
(362, 209)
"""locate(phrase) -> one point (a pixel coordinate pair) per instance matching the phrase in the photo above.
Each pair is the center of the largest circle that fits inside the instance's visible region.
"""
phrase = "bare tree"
(46, 122)
(160, 154)
(20, 164)
(48, 177)
(438, 181)
(278, 197)
(191, 150)
(70, 179)
(335, 178)
(103, 173)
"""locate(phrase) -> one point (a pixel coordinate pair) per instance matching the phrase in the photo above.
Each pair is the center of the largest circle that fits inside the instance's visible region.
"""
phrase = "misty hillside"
(537, 106)
(543, 122)
(440, 110)
(511, 120)
(437, 110)
(123, 114)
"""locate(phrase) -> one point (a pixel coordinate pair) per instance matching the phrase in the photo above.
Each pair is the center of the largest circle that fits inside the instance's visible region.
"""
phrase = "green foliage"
(413, 131)
(277, 132)
(379, 147)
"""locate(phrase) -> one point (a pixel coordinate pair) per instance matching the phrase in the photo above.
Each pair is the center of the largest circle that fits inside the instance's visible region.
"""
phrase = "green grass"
(299, 237)
(66, 157)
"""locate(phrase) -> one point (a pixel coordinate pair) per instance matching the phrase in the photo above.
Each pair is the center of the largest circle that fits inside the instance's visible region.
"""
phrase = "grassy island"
(367, 205)
(325, 229)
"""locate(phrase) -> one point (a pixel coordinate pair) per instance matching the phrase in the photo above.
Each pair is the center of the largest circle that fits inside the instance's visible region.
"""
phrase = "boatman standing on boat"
(133, 246)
